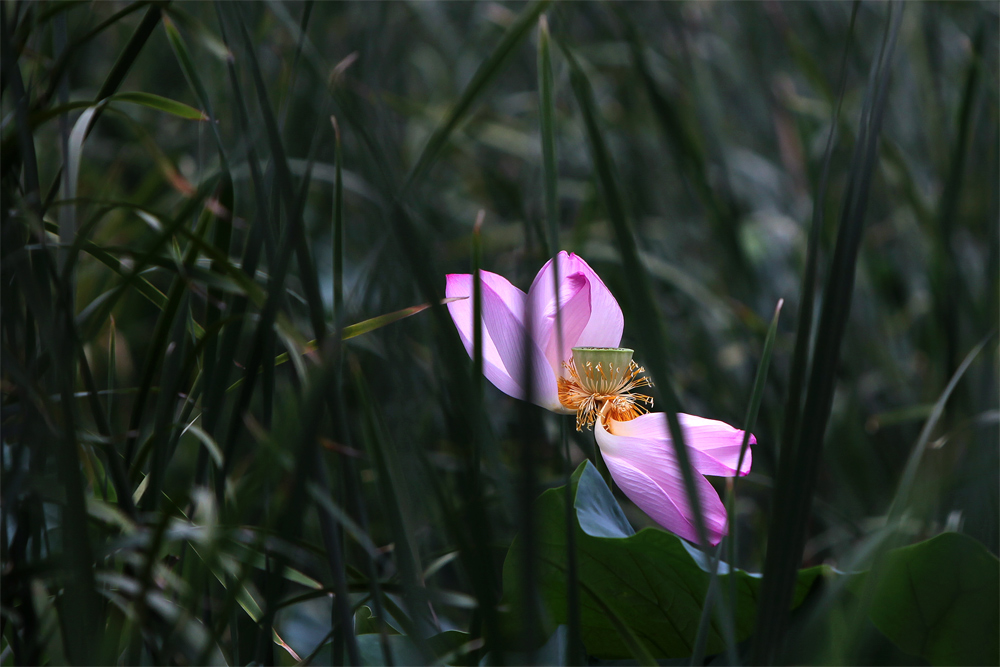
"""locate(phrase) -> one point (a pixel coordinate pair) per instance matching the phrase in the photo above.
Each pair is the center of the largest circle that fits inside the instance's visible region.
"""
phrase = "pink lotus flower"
(590, 316)
(589, 375)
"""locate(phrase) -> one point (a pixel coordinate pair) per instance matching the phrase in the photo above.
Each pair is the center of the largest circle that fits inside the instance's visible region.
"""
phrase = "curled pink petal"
(574, 299)
(647, 472)
(714, 446)
(594, 322)
(504, 336)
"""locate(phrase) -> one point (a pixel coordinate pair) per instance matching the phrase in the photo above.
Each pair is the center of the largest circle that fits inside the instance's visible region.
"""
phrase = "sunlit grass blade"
(797, 474)
(382, 320)
(358, 329)
(160, 103)
(187, 65)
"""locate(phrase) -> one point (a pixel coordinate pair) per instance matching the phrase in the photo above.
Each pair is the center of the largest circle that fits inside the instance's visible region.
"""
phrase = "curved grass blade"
(689, 152)
(121, 67)
(160, 103)
(131, 51)
(906, 480)
(194, 80)
(383, 320)
(55, 74)
(487, 71)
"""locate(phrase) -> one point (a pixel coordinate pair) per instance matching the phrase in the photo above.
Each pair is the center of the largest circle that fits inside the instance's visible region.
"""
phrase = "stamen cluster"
(603, 390)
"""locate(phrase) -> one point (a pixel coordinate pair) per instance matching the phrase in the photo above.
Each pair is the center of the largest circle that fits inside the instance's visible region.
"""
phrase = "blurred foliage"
(169, 224)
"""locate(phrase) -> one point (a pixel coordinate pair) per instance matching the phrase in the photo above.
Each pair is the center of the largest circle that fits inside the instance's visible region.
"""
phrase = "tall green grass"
(238, 424)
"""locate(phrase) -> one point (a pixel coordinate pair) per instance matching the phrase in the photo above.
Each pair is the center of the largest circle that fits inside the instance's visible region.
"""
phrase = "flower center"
(600, 384)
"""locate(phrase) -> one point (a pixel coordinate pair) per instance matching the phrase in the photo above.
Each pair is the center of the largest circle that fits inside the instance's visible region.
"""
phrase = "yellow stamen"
(600, 384)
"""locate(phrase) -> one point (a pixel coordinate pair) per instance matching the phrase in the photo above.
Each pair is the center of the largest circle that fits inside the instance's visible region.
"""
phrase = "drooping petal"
(596, 322)
(647, 472)
(504, 334)
(714, 446)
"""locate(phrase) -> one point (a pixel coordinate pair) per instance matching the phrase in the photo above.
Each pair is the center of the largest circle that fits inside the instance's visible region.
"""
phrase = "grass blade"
(338, 229)
(131, 51)
(178, 291)
(487, 71)
(160, 103)
(947, 288)
(901, 499)
(730, 541)
(550, 178)
(803, 330)
(688, 153)
(798, 472)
